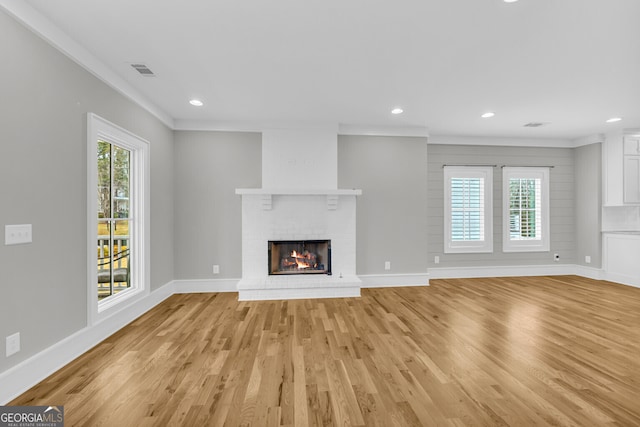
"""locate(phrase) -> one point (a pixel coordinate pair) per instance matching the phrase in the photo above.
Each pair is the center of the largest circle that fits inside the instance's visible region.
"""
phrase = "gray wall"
(43, 105)
(209, 166)
(392, 211)
(562, 210)
(588, 182)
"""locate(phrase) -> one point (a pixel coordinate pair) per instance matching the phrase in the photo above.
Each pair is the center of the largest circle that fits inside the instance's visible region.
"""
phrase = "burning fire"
(304, 260)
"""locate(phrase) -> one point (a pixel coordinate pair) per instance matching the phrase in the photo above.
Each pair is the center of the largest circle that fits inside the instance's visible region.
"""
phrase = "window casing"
(118, 217)
(525, 209)
(468, 207)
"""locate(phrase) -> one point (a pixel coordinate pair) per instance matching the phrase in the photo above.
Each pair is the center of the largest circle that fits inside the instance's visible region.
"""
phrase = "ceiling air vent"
(143, 70)
(535, 124)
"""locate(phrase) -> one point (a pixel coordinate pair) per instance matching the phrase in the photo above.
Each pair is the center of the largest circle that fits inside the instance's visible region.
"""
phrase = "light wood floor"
(557, 350)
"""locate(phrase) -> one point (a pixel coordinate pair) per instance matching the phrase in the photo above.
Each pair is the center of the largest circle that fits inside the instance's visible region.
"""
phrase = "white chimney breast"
(295, 159)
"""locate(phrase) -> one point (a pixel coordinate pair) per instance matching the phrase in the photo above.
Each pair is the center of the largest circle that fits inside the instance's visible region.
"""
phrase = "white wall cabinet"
(631, 167)
(621, 170)
(632, 179)
(631, 146)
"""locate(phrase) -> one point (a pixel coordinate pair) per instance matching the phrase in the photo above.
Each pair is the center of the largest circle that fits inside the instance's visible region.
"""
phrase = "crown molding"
(415, 131)
(342, 129)
(501, 141)
(588, 140)
(52, 34)
(249, 126)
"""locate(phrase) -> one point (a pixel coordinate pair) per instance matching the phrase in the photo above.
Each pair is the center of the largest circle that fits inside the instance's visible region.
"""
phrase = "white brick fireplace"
(299, 201)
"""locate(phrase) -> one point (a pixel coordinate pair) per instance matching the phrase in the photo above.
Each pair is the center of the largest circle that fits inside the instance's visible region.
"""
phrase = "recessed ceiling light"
(614, 119)
(397, 110)
(510, 1)
(196, 103)
(488, 114)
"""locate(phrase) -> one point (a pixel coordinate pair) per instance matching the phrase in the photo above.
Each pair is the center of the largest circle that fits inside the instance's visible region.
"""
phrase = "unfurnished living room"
(295, 213)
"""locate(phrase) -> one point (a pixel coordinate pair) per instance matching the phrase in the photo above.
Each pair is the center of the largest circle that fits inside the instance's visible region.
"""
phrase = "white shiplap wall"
(562, 209)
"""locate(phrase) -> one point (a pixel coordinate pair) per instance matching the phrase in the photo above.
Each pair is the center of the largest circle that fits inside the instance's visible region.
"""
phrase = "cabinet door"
(631, 145)
(632, 179)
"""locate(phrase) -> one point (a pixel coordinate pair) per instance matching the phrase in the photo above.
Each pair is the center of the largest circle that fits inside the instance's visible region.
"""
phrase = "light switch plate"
(17, 234)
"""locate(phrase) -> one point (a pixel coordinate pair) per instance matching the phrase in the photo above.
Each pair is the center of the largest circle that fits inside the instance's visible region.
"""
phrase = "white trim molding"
(461, 184)
(501, 271)
(205, 285)
(394, 280)
(500, 141)
(590, 272)
(410, 131)
(99, 129)
(542, 240)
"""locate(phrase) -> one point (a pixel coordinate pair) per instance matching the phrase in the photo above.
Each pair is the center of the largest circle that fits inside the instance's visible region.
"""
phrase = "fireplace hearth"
(299, 257)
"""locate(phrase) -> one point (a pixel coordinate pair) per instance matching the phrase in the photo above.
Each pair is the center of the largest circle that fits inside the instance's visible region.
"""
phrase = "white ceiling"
(259, 63)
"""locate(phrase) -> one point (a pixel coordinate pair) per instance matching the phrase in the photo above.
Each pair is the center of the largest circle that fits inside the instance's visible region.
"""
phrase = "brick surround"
(286, 216)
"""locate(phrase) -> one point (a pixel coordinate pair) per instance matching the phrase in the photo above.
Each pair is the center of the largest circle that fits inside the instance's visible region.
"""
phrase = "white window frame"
(526, 245)
(101, 129)
(469, 246)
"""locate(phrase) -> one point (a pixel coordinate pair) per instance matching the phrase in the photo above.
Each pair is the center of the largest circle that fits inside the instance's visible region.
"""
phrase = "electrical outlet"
(556, 257)
(387, 265)
(587, 259)
(216, 269)
(12, 344)
(436, 259)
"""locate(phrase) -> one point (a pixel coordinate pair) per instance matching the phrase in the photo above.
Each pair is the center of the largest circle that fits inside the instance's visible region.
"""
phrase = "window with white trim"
(468, 206)
(118, 217)
(526, 209)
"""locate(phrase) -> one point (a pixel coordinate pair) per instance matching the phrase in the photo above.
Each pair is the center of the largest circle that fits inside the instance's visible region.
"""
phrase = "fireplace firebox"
(300, 257)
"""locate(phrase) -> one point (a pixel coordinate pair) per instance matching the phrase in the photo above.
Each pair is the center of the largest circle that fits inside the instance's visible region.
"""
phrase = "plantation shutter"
(467, 208)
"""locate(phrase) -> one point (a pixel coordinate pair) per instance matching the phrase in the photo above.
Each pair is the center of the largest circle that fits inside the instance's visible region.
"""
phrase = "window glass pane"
(104, 179)
(121, 182)
(113, 256)
(104, 252)
(121, 256)
(525, 209)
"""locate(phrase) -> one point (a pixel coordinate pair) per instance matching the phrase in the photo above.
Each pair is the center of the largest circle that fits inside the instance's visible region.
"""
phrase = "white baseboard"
(533, 270)
(26, 374)
(501, 271)
(394, 280)
(205, 285)
(622, 278)
(590, 272)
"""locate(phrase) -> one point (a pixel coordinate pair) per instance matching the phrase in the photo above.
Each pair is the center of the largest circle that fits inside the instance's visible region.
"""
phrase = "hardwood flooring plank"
(514, 351)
